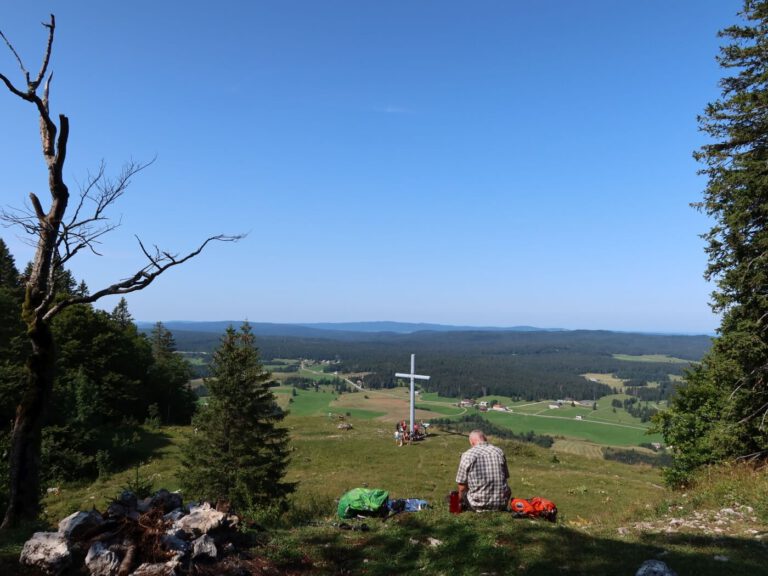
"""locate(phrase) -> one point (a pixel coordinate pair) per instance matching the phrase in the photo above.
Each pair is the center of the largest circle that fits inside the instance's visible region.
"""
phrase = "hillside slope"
(612, 516)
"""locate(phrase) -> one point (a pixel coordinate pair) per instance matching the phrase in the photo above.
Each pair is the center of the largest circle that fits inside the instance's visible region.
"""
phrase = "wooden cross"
(412, 376)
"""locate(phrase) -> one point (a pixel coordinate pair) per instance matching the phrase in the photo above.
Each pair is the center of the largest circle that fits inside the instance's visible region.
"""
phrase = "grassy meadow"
(612, 516)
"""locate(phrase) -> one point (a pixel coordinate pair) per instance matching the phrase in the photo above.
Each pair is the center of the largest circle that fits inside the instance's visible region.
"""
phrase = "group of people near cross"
(403, 434)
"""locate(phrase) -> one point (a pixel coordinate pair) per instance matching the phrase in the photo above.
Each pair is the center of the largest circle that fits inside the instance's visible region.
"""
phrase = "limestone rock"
(201, 520)
(47, 551)
(175, 544)
(174, 515)
(128, 499)
(164, 569)
(655, 568)
(144, 505)
(101, 561)
(166, 500)
(76, 526)
(204, 547)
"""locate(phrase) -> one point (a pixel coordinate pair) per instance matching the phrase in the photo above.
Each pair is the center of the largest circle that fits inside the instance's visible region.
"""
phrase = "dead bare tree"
(58, 238)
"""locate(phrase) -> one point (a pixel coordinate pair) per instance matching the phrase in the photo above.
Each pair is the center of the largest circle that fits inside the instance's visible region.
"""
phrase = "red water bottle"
(454, 502)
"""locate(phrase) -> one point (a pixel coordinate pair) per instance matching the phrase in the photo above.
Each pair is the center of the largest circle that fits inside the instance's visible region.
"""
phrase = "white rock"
(204, 547)
(200, 520)
(165, 569)
(722, 558)
(76, 525)
(101, 561)
(175, 514)
(655, 568)
(47, 551)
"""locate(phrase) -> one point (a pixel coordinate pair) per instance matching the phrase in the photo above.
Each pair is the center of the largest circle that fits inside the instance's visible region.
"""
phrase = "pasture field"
(612, 516)
(661, 358)
(607, 379)
(435, 397)
(601, 426)
(578, 447)
(441, 409)
(610, 434)
(322, 402)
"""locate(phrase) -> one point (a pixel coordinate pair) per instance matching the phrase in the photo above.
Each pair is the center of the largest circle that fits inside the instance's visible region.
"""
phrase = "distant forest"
(523, 365)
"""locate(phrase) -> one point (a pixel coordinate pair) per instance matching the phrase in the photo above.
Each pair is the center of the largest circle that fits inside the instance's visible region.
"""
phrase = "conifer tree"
(169, 379)
(721, 412)
(238, 451)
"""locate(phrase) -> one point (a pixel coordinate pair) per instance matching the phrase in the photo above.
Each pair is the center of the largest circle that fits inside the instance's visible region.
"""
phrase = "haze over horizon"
(486, 164)
(404, 326)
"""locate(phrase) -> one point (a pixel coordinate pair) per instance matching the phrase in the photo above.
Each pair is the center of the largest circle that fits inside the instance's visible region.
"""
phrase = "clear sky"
(489, 162)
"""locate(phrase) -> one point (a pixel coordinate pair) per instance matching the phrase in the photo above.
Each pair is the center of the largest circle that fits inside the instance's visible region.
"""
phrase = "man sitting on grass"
(482, 476)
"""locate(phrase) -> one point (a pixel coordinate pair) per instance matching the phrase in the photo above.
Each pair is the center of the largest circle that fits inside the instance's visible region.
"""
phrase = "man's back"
(483, 468)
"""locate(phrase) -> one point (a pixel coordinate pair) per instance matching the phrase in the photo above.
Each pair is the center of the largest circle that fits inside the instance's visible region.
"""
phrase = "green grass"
(435, 397)
(311, 403)
(435, 407)
(563, 424)
(663, 358)
(595, 498)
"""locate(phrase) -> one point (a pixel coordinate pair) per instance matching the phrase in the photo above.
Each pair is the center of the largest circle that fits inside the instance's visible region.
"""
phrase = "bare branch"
(763, 408)
(85, 191)
(47, 90)
(159, 263)
(15, 90)
(39, 212)
(46, 58)
(16, 54)
(61, 144)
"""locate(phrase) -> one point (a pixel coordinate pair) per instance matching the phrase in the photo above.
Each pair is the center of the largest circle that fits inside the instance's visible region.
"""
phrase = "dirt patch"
(395, 408)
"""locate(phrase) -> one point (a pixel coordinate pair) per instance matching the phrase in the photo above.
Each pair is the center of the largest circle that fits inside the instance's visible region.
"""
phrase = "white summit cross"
(412, 376)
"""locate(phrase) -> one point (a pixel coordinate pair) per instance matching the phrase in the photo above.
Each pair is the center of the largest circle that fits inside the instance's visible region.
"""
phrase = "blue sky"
(481, 163)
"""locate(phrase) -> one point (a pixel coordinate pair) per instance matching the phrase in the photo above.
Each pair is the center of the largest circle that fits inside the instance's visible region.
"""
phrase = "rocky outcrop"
(48, 552)
(655, 568)
(736, 520)
(157, 536)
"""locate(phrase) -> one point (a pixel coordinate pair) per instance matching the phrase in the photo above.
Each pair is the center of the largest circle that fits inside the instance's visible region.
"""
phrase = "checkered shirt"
(483, 468)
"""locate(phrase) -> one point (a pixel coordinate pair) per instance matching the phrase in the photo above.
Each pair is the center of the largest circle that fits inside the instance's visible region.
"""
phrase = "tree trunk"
(24, 460)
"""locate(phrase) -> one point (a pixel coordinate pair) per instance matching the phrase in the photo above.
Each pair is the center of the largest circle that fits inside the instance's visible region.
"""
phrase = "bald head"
(476, 437)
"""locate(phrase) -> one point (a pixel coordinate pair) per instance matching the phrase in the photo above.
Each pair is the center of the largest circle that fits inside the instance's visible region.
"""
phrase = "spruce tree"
(238, 451)
(721, 411)
(169, 379)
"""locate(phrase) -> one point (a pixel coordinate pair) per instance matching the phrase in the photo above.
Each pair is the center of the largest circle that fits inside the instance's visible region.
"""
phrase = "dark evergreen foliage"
(720, 413)
(238, 451)
(523, 365)
(632, 456)
(107, 378)
(169, 378)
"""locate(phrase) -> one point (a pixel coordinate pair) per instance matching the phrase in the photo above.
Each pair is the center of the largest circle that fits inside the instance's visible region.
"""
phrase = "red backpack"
(533, 508)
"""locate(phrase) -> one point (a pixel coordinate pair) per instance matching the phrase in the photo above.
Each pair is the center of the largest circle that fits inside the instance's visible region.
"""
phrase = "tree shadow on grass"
(497, 544)
(140, 443)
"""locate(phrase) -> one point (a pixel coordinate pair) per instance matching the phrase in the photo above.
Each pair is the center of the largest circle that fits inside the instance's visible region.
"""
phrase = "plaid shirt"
(483, 468)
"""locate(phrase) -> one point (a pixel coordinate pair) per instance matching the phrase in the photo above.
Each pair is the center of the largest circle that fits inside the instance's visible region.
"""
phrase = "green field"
(311, 403)
(440, 409)
(435, 397)
(612, 517)
(613, 434)
(661, 358)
